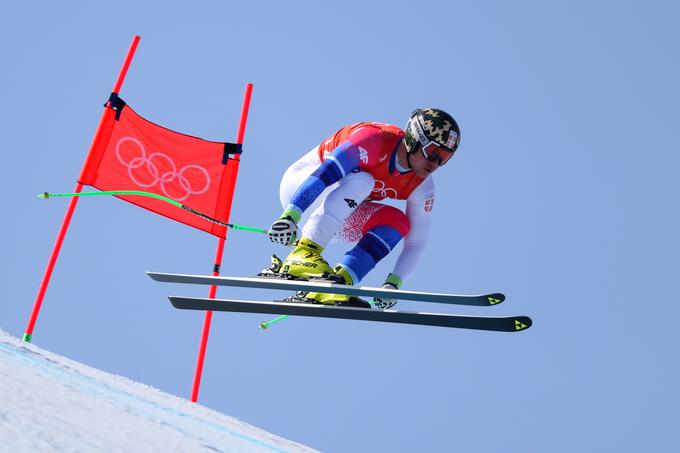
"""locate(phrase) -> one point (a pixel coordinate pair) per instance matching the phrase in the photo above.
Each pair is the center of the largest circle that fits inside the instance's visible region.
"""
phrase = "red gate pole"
(74, 201)
(220, 249)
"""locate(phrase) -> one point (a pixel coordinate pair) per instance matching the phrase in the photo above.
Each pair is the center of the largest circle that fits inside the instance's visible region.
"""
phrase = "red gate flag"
(132, 153)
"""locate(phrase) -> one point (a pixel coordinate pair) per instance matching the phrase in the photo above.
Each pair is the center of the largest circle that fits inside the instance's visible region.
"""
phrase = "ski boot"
(341, 277)
(274, 269)
(303, 263)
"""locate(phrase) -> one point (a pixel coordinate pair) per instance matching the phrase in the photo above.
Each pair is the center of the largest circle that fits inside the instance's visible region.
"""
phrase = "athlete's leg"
(336, 203)
(296, 174)
(336, 206)
(382, 227)
(305, 259)
(381, 233)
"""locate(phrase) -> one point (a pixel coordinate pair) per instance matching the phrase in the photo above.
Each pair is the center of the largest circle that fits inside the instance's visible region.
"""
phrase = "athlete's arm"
(343, 160)
(419, 212)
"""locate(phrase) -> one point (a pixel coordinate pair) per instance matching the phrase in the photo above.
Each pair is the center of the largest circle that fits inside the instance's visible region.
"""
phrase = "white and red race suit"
(353, 169)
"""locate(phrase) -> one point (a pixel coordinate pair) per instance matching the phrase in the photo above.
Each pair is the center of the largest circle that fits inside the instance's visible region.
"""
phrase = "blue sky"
(563, 196)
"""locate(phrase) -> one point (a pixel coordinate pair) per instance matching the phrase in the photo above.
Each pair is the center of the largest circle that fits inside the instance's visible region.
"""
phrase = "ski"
(499, 324)
(326, 287)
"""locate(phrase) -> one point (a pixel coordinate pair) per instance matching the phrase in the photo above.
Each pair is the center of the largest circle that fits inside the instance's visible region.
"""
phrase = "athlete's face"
(421, 165)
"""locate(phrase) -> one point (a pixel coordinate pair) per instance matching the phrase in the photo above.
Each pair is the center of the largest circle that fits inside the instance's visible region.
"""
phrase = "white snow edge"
(50, 403)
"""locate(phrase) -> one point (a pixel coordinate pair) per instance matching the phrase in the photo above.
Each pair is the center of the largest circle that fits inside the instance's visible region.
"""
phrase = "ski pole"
(265, 324)
(47, 195)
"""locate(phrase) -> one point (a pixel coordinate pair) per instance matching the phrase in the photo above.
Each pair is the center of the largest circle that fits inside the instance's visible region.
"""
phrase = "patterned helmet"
(431, 125)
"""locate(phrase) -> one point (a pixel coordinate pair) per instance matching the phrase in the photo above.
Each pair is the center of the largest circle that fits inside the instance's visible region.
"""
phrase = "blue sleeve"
(341, 161)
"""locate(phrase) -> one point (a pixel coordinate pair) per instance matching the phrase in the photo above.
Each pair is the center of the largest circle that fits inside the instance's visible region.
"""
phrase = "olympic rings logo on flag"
(385, 192)
(152, 163)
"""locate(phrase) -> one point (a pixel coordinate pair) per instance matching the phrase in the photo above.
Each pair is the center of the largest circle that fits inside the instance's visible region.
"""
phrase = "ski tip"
(263, 325)
(522, 323)
(495, 298)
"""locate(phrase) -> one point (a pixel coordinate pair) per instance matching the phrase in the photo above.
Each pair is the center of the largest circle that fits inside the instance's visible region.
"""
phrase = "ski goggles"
(434, 152)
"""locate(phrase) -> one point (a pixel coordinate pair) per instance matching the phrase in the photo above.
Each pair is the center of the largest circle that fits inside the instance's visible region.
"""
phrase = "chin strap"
(408, 157)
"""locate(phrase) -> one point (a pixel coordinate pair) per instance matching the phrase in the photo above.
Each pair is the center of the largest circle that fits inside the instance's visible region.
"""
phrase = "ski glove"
(391, 282)
(283, 231)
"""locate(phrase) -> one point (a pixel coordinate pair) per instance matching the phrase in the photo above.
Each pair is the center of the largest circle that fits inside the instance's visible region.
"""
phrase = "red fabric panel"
(388, 215)
(140, 155)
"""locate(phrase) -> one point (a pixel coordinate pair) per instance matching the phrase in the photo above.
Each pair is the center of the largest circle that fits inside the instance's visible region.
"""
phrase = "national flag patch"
(429, 202)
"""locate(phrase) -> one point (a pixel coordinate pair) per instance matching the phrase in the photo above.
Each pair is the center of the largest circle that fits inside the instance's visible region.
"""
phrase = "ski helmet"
(435, 132)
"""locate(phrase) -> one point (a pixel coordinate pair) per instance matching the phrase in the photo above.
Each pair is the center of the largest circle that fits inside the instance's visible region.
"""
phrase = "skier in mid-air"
(350, 172)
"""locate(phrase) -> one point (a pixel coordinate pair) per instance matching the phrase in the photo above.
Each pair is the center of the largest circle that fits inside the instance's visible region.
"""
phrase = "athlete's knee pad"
(390, 216)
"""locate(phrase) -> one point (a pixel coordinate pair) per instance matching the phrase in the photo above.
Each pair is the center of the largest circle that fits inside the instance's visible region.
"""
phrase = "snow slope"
(51, 403)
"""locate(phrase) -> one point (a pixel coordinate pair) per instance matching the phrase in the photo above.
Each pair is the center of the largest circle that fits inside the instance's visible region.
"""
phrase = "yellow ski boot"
(305, 261)
(342, 277)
